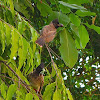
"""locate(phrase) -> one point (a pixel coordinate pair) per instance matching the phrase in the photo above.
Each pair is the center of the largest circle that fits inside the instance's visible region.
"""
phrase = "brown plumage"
(36, 79)
(48, 33)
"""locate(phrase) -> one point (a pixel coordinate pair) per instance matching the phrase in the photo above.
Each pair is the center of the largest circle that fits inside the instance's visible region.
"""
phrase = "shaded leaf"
(42, 6)
(79, 2)
(84, 13)
(73, 6)
(63, 18)
(96, 28)
(64, 9)
(68, 49)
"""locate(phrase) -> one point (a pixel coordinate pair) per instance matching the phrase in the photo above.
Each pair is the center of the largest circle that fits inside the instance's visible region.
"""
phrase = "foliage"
(78, 43)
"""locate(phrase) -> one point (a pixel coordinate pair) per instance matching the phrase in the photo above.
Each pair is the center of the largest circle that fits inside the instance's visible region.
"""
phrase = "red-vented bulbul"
(36, 78)
(48, 32)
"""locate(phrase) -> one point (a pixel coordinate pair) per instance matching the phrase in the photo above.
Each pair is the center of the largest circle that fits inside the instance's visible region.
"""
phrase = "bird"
(36, 78)
(48, 32)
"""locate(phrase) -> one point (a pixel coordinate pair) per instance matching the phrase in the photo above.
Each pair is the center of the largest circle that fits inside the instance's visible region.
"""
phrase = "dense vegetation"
(76, 75)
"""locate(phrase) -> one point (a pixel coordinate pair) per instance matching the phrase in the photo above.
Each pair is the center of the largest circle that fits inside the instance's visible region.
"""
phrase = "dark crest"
(56, 23)
(40, 67)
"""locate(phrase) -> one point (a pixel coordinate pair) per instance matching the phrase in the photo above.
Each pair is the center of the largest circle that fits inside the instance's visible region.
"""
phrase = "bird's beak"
(60, 25)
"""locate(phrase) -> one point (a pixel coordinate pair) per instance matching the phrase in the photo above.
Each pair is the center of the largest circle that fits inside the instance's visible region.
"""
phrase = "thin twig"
(54, 53)
(51, 59)
(25, 85)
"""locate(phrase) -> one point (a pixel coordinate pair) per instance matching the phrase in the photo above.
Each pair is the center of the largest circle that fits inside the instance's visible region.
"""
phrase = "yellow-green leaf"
(22, 51)
(14, 48)
(29, 96)
(69, 94)
(11, 90)
(83, 35)
(57, 95)
(75, 19)
(49, 91)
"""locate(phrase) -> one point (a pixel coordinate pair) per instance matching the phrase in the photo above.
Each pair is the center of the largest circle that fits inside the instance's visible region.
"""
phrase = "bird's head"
(56, 23)
(40, 68)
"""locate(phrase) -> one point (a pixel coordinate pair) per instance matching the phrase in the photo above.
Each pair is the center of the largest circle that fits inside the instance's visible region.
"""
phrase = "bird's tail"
(40, 41)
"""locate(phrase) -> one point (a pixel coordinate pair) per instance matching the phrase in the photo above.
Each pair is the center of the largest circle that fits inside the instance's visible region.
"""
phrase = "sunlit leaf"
(57, 95)
(49, 91)
(21, 26)
(22, 52)
(8, 34)
(29, 96)
(83, 35)
(69, 94)
(11, 6)
(11, 90)
(68, 49)
(3, 89)
(2, 32)
(75, 19)
(14, 48)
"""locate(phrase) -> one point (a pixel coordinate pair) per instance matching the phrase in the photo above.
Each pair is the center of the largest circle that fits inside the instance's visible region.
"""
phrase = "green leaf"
(83, 35)
(38, 58)
(3, 89)
(11, 90)
(69, 94)
(11, 6)
(79, 2)
(2, 32)
(73, 6)
(22, 51)
(96, 28)
(75, 19)
(20, 74)
(49, 91)
(53, 72)
(34, 34)
(8, 34)
(68, 49)
(14, 48)
(21, 27)
(42, 6)
(64, 9)
(63, 18)
(84, 13)
(57, 95)
(29, 96)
